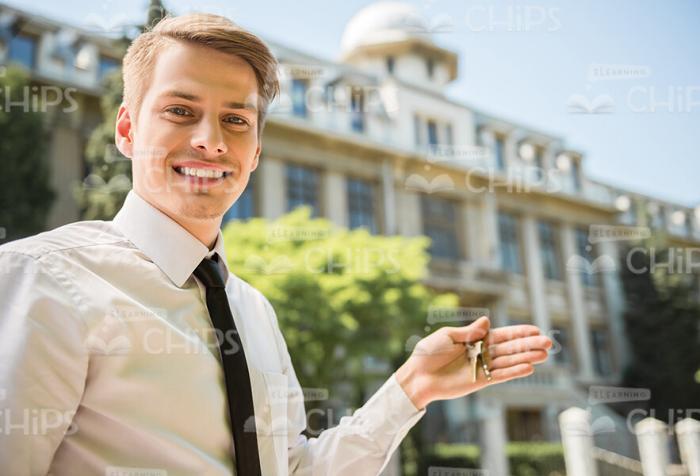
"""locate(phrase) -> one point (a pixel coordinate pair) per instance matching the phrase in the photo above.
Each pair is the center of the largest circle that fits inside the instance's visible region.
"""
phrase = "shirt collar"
(172, 248)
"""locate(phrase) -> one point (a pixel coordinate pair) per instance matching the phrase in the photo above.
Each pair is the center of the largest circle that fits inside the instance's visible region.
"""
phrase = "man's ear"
(123, 133)
(256, 160)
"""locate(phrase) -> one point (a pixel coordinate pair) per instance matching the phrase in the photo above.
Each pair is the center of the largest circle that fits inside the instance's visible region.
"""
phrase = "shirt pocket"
(270, 391)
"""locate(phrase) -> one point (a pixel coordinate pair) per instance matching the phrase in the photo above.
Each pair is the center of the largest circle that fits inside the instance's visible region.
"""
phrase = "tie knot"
(209, 273)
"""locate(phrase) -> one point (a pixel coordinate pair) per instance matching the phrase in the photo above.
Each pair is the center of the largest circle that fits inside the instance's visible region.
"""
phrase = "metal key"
(473, 353)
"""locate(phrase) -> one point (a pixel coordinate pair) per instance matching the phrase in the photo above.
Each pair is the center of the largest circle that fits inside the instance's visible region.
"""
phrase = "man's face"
(198, 115)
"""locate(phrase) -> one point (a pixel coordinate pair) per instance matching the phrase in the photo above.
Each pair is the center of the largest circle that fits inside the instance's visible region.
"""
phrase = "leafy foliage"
(25, 192)
(342, 297)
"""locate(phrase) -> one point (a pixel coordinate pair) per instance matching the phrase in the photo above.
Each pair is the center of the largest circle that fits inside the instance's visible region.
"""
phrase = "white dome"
(383, 22)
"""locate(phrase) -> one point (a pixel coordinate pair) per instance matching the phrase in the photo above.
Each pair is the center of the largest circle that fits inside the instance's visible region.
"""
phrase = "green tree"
(25, 192)
(156, 12)
(663, 325)
(103, 191)
(341, 296)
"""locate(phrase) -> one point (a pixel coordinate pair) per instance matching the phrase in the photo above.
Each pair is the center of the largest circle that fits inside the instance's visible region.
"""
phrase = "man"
(128, 347)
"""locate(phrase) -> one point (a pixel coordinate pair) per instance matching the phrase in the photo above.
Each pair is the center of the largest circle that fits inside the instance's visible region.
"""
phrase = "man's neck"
(205, 231)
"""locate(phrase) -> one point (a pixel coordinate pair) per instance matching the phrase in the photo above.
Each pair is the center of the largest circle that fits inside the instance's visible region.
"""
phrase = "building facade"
(372, 141)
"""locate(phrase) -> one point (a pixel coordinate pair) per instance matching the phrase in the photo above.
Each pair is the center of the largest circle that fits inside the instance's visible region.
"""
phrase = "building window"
(563, 356)
(107, 65)
(509, 242)
(432, 133)
(22, 50)
(302, 188)
(524, 425)
(390, 64)
(440, 224)
(244, 207)
(550, 251)
(298, 97)
(361, 204)
(585, 251)
(499, 152)
(601, 352)
(430, 65)
(357, 120)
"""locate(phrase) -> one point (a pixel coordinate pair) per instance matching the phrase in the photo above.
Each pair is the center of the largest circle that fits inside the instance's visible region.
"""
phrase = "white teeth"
(207, 173)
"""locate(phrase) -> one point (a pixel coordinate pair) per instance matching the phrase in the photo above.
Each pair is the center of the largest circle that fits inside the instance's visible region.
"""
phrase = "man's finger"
(523, 344)
(502, 334)
(471, 333)
(510, 373)
(531, 357)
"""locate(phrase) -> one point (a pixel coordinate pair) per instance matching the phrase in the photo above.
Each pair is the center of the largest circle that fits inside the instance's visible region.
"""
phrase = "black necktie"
(238, 389)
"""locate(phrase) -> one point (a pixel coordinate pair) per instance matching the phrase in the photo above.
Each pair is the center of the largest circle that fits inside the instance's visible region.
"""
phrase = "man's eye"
(236, 120)
(178, 111)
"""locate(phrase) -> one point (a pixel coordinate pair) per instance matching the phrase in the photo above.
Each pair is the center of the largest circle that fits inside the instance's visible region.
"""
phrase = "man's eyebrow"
(194, 98)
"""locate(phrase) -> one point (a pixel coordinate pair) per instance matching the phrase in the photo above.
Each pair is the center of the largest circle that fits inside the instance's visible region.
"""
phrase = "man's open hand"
(438, 368)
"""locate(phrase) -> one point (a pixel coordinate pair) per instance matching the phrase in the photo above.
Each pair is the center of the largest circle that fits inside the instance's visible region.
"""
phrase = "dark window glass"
(302, 187)
(601, 352)
(22, 50)
(585, 251)
(432, 133)
(509, 243)
(549, 250)
(107, 65)
(440, 224)
(563, 354)
(499, 151)
(244, 207)
(361, 204)
(299, 97)
(357, 120)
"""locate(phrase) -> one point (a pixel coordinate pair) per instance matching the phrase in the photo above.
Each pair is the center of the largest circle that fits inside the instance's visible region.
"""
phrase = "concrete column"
(652, 439)
(499, 313)
(335, 198)
(688, 434)
(273, 198)
(615, 303)
(535, 277)
(493, 437)
(488, 236)
(577, 439)
(389, 198)
(481, 229)
(410, 222)
(575, 295)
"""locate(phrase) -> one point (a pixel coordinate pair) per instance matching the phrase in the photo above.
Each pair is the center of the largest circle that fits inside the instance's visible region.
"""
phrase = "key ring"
(483, 360)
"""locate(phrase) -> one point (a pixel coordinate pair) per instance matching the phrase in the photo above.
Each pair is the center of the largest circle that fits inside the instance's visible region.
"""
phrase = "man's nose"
(209, 139)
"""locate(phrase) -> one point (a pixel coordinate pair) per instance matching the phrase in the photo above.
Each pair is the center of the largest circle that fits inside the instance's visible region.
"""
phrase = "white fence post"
(688, 433)
(652, 439)
(577, 439)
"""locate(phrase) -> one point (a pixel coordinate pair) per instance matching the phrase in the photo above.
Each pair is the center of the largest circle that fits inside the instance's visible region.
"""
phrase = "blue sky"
(528, 74)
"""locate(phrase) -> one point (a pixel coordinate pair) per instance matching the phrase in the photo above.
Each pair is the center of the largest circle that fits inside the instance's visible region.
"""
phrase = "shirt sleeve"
(362, 443)
(43, 364)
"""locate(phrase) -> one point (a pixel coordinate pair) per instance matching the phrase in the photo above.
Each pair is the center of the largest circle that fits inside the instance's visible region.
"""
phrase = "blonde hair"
(205, 29)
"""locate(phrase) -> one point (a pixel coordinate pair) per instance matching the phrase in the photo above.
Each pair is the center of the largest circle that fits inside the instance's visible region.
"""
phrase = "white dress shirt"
(109, 364)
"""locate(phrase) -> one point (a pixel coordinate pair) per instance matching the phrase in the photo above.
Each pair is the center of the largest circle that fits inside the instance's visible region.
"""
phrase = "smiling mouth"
(208, 174)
